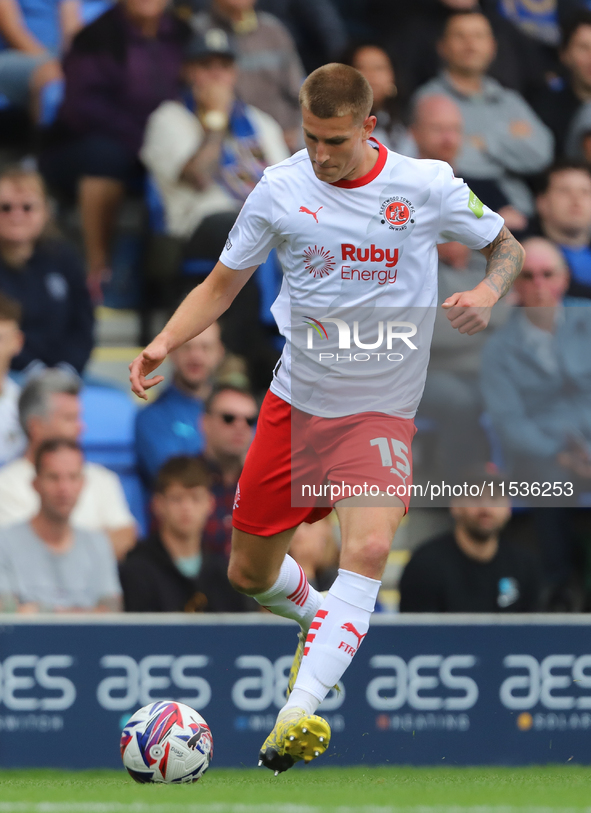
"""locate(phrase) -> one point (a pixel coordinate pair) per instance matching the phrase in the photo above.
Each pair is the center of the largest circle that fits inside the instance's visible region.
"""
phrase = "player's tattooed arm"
(505, 257)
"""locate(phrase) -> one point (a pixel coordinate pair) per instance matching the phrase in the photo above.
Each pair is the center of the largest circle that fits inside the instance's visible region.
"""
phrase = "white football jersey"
(349, 250)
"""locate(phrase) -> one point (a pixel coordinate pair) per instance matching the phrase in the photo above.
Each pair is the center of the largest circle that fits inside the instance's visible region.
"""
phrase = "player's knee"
(370, 558)
(243, 580)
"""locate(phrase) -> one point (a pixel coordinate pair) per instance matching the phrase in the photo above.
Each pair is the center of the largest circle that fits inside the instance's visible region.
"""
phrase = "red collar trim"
(371, 175)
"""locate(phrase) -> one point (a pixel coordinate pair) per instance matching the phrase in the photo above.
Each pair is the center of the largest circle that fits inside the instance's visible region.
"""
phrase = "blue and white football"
(166, 742)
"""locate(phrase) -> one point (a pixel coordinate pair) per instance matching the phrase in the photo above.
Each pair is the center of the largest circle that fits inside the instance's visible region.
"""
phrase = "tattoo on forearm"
(504, 262)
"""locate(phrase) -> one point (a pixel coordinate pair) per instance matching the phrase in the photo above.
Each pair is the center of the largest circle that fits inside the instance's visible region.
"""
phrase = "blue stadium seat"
(108, 439)
(50, 99)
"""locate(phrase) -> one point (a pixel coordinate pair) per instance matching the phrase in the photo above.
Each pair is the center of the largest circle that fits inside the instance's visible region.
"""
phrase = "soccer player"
(344, 191)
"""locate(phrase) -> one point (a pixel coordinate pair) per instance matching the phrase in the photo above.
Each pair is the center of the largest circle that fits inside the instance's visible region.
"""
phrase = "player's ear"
(369, 126)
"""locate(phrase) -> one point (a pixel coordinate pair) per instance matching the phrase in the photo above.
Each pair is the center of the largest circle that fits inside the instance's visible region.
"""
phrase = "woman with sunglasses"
(44, 274)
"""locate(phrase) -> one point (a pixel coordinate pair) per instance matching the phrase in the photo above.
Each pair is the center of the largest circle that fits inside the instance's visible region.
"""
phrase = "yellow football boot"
(296, 736)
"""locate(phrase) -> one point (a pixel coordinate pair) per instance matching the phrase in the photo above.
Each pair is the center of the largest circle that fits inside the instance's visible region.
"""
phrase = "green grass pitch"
(322, 790)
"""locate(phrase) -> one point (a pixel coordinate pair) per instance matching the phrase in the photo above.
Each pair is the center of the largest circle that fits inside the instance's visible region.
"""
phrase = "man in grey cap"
(207, 152)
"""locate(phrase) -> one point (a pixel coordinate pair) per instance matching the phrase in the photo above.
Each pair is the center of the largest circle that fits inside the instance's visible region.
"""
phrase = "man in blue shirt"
(564, 209)
(170, 426)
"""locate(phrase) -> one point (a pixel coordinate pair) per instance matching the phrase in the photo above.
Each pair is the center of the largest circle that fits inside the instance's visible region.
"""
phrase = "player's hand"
(469, 311)
(147, 361)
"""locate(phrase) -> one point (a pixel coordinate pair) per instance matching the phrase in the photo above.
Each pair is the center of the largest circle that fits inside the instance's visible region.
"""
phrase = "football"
(166, 742)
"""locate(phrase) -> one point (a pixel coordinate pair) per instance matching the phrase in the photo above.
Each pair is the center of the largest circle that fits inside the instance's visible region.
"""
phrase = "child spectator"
(170, 572)
(46, 564)
(12, 437)
(44, 274)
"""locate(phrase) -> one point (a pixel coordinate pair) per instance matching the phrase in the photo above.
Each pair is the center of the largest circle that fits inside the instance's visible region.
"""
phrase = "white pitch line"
(146, 807)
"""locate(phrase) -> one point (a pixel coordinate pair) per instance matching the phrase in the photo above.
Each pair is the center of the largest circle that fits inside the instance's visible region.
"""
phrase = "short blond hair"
(335, 90)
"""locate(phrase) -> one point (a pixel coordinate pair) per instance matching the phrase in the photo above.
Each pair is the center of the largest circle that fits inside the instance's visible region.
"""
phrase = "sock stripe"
(301, 582)
(315, 625)
(321, 613)
(310, 637)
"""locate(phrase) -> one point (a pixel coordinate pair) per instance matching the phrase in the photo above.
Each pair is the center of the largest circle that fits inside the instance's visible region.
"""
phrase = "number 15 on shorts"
(400, 450)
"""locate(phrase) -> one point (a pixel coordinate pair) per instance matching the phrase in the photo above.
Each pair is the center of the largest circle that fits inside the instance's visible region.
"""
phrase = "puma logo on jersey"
(347, 647)
(308, 212)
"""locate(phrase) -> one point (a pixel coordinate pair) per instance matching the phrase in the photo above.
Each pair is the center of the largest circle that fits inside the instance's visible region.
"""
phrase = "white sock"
(335, 635)
(292, 596)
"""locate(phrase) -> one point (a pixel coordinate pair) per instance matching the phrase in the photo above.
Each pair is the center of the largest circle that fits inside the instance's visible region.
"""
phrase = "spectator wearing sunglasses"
(228, 427)
(44, 274)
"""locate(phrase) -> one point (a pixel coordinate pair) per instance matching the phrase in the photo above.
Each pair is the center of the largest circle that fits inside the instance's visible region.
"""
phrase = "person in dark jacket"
(44, 275)
(169, 572)
(473, 569)
(118, 71)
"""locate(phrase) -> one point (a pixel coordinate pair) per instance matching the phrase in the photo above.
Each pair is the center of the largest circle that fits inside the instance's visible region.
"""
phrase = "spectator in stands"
(118, 70)
(536, 379)
(564, 210)
(44, 274)
(207, 154)
(170, 572)
(228, 426)
(437, 128)
(374, 63)
(12, 438)
(32, 36)
(47, 564)
(502, 135)
(49, 407)
(411, 32)
(472, 569)
(536, 373)
(558, 102)
(271, 72)
(171, 425)
(452, 396)
(316, 26)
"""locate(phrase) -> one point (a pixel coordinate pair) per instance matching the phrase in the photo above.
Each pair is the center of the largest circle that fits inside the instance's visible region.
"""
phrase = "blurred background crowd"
(130, 135)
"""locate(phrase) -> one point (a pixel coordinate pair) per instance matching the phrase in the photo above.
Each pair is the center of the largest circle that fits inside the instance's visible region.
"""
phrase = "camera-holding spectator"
(47, 564)
(374, 63)
(271, 72)
(32, 36)
(228, 426)
(472, 569)
(503, 137)
(564, 210)
(49, 407)
(118, 70)
(171, 425)
(12, 438)
(207, 155)
(170, 572)
(44, 274)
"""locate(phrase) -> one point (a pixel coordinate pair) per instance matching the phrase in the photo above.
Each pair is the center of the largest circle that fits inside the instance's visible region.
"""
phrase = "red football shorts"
(300, 465)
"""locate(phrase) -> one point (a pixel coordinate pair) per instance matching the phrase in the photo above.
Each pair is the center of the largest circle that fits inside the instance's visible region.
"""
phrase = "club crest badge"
(397, 212)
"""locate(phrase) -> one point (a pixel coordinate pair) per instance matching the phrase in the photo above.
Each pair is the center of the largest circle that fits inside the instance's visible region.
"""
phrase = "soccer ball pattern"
(166, 742)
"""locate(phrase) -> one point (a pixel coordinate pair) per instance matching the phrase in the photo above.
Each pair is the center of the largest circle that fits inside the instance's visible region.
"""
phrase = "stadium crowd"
(172, 111)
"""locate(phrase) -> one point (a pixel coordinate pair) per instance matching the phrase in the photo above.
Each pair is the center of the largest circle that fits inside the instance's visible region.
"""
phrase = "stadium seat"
(108, 439)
